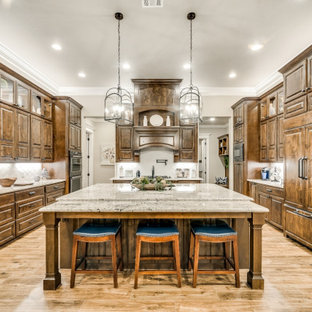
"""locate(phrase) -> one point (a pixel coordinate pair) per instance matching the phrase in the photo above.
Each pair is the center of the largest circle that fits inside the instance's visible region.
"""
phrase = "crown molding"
(227, 91)
(83, 90)
(21, 66)
(268, 83)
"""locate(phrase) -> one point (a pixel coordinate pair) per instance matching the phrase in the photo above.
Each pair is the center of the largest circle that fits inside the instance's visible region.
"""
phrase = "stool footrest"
(150, 272)
(216, 272)
(95, 271)
(157, 258)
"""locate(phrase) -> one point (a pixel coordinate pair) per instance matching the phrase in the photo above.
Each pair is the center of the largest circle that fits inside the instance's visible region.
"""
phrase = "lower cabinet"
(298, 225)
(239, 177)
(273, 199)
(19, 211)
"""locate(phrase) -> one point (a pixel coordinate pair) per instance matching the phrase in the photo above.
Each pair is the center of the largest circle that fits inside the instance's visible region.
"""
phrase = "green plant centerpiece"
(146, 183)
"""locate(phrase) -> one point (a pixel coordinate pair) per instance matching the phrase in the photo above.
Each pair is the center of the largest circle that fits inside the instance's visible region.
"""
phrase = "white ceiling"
(155, 42)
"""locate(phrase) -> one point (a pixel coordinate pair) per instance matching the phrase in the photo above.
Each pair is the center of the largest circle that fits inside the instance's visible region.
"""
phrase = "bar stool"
(219, 232)
(165, 231)
(97, 233)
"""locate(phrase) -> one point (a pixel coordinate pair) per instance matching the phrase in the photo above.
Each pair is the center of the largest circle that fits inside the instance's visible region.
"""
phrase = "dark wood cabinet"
(280, 101)
(307, 170)
(74, 137)
(188, 143)
(23, 96)
(280, 138)
(36, 138)
(238, 134)
(7, 132)
(264, 141)
(238, 177)
(276, 211)
(272, 138)
(74, 114)
(22, 140)
(294, 151)
(295, 81)
(7, 88)
(263, 109)
(124, 143)
(309, 74)
(295, 107)
(238, 114)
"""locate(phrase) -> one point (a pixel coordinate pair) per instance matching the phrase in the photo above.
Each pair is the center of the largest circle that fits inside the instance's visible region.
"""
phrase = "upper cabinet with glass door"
(22, 96)
(6, 89)
(41, 105)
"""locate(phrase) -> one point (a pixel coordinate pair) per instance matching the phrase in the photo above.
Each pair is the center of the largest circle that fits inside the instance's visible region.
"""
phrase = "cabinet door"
(6, 89)
(272, 135)
(238, 177)
(295, 81)
(124, 143)
(47, 141)
(265, 201)
(309, 74)
(264, 109)
(294, 150)
(280, 101)
(263, 141)
(36, 134)
(73, 137)
(296, 107)
(238, 115)
(238, 134)
(308, 167)
(22, 135)
(7, 132)
(47, 108)
(188, 146)
(74, 114)
(23, 96)
(276, 210)
(36, 103)
(280, 138)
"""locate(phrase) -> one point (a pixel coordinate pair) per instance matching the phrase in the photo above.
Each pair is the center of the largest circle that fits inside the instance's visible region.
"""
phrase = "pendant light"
(190, 100)
(118, 104)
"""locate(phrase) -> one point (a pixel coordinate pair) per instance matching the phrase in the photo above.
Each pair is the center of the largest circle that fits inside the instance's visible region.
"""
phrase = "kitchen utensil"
(7, 182)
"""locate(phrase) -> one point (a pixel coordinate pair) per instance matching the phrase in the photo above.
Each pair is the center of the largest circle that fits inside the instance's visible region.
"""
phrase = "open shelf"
(223, 145)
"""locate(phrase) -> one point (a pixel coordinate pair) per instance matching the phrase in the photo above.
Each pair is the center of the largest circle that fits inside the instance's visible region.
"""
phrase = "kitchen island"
(122, 201)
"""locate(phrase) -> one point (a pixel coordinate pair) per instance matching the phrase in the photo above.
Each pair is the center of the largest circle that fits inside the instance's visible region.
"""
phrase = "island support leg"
(53, 276)
(254, 276)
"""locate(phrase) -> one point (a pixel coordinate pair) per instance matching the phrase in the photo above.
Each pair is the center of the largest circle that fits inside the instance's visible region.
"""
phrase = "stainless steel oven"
(238, 152)
(75, 164)
(74, 183)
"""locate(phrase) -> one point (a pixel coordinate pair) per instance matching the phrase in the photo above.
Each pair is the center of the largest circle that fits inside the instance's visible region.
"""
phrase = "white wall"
(215, 165)
(218, 106)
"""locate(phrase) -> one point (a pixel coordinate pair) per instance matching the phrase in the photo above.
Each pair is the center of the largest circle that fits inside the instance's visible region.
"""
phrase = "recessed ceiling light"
(232, 75)
(56, 46)
(212, 118)
(81, 75)
(126, 66)
(187, 66)
(255, 46)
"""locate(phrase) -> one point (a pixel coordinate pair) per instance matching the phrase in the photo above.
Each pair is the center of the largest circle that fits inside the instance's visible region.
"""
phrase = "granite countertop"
(169, 179)
(267, 183)
(156, 206)
(126, 192)
(5, 190)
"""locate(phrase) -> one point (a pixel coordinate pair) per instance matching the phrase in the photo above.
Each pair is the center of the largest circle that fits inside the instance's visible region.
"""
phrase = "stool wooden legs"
(194, 256)
(176, 257)
(116, 261)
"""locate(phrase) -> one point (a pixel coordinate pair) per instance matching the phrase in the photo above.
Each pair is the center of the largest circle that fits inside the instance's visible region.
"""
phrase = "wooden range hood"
(156, 97)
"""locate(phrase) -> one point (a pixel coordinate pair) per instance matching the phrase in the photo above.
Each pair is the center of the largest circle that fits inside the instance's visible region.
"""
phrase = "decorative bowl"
(150, 186)
(7, 182)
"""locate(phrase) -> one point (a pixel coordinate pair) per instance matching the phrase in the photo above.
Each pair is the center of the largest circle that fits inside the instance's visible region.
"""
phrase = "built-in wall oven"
(75, 171)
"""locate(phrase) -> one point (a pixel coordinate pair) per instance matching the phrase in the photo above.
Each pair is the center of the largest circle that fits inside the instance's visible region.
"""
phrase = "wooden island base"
(130, 221)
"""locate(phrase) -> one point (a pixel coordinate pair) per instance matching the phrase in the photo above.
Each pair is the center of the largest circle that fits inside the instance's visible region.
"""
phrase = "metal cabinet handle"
(269, 190)
(32, 193)
(303, 214)
(304, 168)
(299, 168)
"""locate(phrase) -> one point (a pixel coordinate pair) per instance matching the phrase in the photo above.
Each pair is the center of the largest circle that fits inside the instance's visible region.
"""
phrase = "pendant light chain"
(118, 54)
(191, 52)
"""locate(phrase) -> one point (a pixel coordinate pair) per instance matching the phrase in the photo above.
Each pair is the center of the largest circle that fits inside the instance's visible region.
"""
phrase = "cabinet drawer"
(39, 191)
(51, 197)
(7, 232)
(29, 206)
(299, 223)
(271, 190)
(55, 187)
(186, 155)
(7, 214)
(27, 223)
(6, 199)
(296, 107)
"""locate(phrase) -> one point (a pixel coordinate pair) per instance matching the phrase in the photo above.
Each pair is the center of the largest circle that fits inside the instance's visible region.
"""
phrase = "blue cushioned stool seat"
(157, 230)
(97, 230)
(218, 229)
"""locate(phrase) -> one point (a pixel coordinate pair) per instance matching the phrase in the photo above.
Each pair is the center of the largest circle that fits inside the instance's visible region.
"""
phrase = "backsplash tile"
(22, 171)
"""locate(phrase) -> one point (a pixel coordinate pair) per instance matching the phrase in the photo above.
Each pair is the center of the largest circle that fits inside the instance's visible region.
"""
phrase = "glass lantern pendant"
(118, 104)
(190, 99)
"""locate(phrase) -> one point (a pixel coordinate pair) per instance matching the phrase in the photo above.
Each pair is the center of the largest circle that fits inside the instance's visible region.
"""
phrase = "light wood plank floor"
(287, 270)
